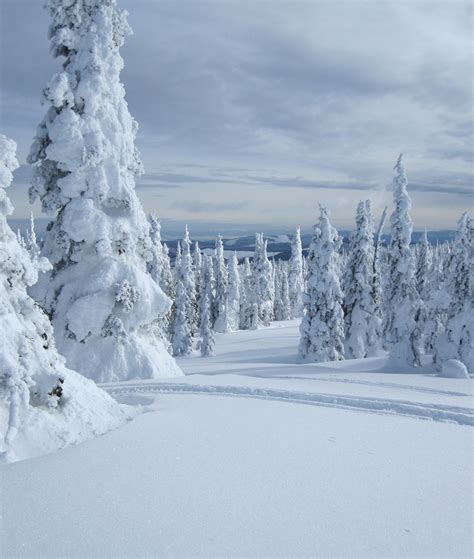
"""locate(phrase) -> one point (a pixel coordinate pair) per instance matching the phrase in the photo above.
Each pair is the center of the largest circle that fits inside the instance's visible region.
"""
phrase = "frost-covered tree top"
(362, 312)
(233, 295)
(322, 327)
(461, 264)
(84, 148)
(262, 281)
(12, 256)
(221, 278)
(401, 328)
(206, 342)
(457, 342)
(295, 276)
(99, 295)
(401, 223)
(31, 420)
(424, 264)
(8, 164)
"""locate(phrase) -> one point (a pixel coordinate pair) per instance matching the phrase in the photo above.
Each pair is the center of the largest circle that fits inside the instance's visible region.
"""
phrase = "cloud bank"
(255, 112)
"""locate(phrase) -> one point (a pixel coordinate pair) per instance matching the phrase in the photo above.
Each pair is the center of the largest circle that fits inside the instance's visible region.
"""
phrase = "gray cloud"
(250, 96)
(200, 206)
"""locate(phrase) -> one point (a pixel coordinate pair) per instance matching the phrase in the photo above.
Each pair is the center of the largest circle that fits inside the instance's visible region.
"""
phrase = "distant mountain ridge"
(279, 245)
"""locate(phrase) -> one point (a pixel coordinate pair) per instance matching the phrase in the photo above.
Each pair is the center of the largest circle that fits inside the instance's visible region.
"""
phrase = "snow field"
(232, 465)
(237, 477)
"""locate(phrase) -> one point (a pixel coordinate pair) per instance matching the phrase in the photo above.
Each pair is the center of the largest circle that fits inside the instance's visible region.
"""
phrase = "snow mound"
(85, 412)
(452, 368)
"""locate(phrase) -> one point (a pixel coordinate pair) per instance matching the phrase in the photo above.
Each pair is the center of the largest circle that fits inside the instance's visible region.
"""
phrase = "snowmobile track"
(435, 412)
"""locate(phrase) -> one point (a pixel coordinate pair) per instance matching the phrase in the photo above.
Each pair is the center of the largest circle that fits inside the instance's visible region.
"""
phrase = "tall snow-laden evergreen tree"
(246, 298)
(295, 276)
(262, 282)
(377, 270)
(206, 342)
(402, 328)
(362, 313)
(233, 295)
(425, 287)
(282, 305)
(31, 242)
(438, 301)
(322, 327)
(34, 416)
(188, 279)
(182, 339)
(457, 341)
(159, 269)
(169, 289)
(101, 300)
(221, 276)
(197, 265)
(177, 264)
(424, 264)
(276, 278)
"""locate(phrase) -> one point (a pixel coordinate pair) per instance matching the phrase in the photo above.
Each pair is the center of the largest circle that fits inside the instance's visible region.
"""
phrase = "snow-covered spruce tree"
(457, 342)
(99, 295)
(221, 276)
(438, 301)
(177, 264)
(424, 286)
(21, 240)
(187, 277)
(305, 272)
(160, 270)
(31, 242)
(402, 328)
(206, 342)
(295, 276)
(197, 266)
(246, 297)
(182, 340)
(322, 327)
(33, 419)
(169, 288)
(424, 263)
(233, 295)
(262, 282)
(276, 288)
(377, 270)
(282, 305)
(362, 318)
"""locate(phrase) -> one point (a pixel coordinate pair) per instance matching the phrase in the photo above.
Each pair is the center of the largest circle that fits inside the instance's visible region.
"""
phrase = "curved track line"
(412, 388)
(435, 412)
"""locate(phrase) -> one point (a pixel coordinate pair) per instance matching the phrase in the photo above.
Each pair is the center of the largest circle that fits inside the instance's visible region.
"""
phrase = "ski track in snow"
(435, 412)
(424, 389)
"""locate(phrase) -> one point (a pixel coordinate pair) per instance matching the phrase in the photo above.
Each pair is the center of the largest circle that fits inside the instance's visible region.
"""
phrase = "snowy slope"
(286, 460)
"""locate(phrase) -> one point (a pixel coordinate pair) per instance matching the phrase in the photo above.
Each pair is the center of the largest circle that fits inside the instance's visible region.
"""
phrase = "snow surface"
(374, 464)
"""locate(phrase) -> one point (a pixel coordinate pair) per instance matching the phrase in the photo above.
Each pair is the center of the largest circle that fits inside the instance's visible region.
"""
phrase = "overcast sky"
(252, 113)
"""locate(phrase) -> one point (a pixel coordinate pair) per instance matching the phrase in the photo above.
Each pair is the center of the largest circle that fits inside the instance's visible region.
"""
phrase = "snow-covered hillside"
(253, 454)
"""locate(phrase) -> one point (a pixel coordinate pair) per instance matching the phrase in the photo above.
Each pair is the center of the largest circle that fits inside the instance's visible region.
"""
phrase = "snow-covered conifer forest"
(182, 397)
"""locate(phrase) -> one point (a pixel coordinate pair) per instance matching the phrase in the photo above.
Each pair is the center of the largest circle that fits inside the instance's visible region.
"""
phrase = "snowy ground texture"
(253, 455)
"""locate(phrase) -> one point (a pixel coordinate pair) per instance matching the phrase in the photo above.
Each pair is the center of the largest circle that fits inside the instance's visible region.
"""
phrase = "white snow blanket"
(253, 455)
